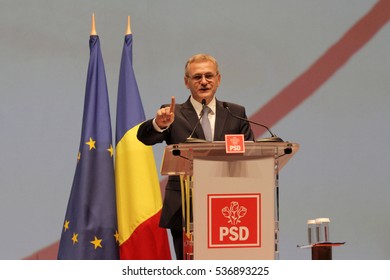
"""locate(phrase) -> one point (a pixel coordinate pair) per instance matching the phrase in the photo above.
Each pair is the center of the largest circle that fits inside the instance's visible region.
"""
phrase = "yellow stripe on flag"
(137, 184)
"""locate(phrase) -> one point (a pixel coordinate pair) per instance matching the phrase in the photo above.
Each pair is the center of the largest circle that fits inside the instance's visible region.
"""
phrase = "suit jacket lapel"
(221, 116)
(188, 112)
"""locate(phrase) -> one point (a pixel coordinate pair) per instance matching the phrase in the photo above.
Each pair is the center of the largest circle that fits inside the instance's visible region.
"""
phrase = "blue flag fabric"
(130, 111)
(90, 226)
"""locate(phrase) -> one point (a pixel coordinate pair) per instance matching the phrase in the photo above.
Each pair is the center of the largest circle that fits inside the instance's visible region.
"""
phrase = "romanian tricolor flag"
(138, 192)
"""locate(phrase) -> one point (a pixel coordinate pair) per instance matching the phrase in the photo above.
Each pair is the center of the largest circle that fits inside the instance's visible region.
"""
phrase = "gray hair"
(200, 58)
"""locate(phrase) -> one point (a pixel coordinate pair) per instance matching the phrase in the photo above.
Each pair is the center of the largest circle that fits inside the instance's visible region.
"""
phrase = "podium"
(230, 202)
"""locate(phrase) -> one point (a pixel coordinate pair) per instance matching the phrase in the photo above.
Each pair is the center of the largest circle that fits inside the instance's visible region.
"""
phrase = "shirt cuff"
(157, 128)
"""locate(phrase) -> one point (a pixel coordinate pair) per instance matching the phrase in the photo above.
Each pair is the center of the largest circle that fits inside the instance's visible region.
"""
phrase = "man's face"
(203, 80)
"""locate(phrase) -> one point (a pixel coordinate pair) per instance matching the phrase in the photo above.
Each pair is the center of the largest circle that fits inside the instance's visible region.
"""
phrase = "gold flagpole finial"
(93, 29)
(128, 29)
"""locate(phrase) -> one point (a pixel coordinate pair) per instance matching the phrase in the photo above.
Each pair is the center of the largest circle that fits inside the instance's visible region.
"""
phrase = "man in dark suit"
(175, 123)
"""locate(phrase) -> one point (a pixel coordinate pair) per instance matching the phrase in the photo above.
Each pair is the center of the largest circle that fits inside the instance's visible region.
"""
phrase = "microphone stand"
(273, 137)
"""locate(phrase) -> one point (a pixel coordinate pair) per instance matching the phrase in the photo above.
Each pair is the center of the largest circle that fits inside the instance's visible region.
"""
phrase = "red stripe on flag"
(326, 66)
(145, 232)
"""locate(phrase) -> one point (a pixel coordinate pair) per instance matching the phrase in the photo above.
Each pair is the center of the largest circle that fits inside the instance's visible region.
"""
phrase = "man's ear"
(218, 79)
(186, 82)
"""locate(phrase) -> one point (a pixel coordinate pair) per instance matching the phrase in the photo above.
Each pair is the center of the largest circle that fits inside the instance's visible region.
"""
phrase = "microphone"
(177, 153)
(273, 137)
(197, 140)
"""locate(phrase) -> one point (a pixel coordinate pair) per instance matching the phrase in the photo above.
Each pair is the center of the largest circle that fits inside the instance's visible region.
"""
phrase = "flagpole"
(93, 28)
(128, 29)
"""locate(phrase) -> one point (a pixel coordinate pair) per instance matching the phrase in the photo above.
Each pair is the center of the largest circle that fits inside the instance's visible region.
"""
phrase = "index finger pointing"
(172, 107)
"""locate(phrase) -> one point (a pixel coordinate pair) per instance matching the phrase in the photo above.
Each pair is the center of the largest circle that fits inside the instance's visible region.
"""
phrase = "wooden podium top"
(178, 158)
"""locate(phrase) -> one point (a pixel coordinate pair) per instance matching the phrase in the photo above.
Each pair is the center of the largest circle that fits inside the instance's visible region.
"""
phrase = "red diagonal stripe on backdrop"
(322, 69)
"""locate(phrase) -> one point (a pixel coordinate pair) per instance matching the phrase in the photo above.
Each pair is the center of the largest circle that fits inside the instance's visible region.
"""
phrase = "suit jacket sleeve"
(148, 135)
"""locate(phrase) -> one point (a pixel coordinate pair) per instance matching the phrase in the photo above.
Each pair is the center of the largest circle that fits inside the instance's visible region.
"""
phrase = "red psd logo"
(234, 220)
(234, 143)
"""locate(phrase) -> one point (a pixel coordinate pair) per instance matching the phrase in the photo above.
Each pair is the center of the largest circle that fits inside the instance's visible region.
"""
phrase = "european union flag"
(90, 226)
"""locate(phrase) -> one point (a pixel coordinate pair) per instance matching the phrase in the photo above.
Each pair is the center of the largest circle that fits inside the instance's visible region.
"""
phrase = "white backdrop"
(340, 172)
